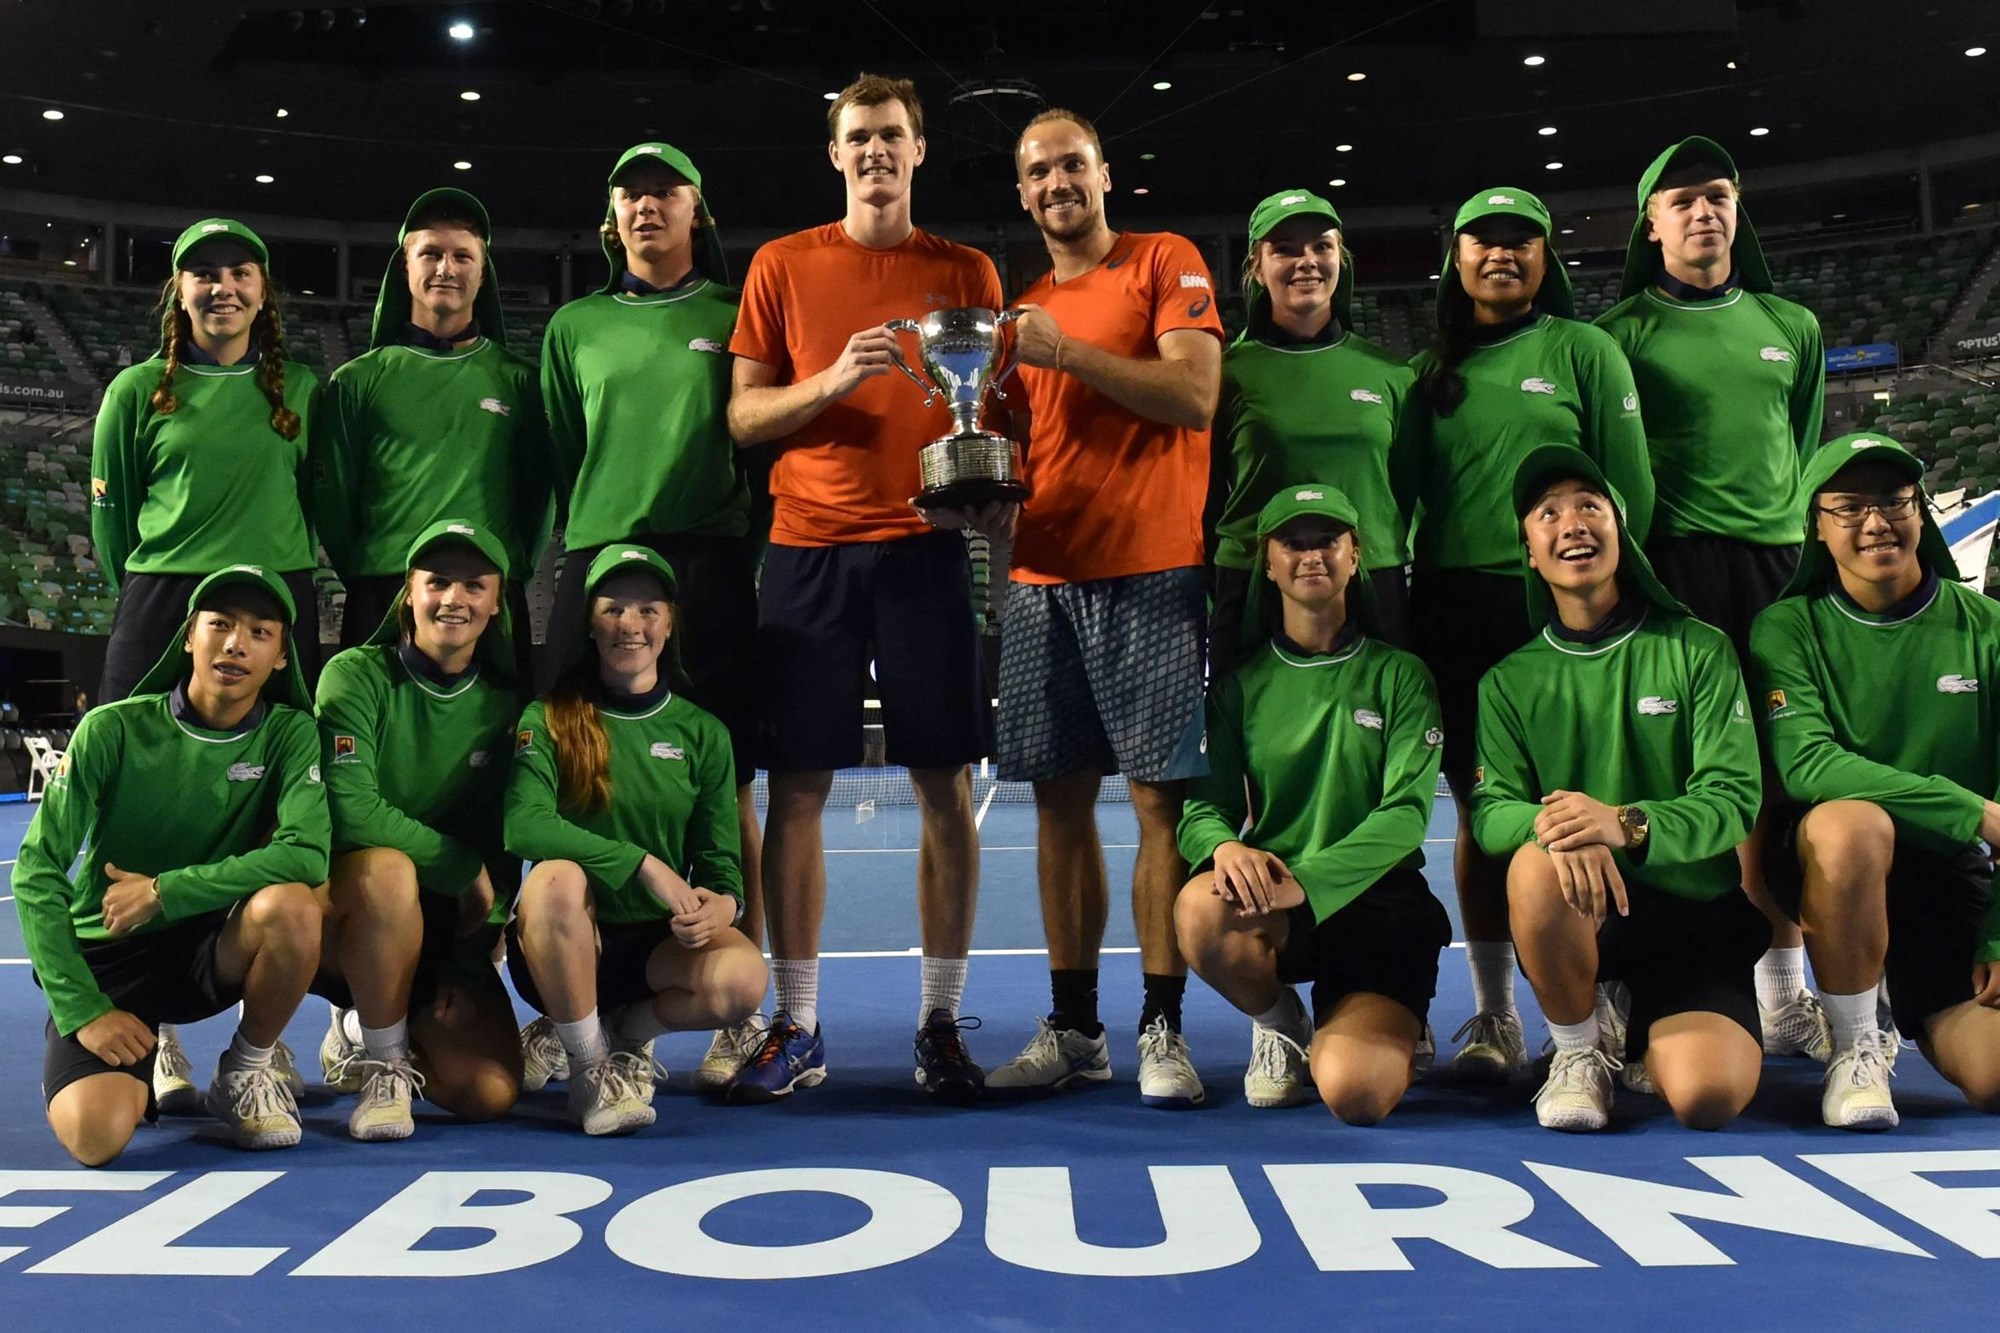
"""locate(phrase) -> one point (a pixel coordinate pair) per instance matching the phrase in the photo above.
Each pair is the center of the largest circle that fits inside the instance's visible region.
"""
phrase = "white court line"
(985, 805)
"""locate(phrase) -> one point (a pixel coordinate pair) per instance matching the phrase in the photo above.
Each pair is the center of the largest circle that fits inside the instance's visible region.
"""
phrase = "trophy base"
(970, 471)
(971, 494)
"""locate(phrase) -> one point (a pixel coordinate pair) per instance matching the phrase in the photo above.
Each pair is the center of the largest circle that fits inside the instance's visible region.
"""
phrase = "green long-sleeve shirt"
(210, 484)
(418, 766)
(1310, 412)
(1732, 390)
(1331, 760)
(1654, 716)
(673, 794)
(213, 816)
(637, 390)
(414, 435)
(1554, 382)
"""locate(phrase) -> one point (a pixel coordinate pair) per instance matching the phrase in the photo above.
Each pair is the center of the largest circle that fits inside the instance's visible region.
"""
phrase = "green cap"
(1642, 257)
(1543, 467)
(287, 686)
(211, 229)
(1306, 499)
(495, 652)
(392, 299)
(1555, 296)
(614, 558)
(1816, 564)
(708, 257)
(1282, 207)
(457, 532)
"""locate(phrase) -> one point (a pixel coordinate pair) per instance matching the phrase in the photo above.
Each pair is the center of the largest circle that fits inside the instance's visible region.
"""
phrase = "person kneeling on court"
(1873, 666)
(1325, 741)
(196, 810)
(1618, 771)
(624, 795)
(414, 727)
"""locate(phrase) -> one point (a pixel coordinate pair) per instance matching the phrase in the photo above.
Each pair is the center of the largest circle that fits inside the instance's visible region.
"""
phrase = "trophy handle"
(932, 393)
(1001, 321)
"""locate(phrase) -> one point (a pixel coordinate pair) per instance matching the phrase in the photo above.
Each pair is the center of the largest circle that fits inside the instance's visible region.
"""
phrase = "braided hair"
(267, 342)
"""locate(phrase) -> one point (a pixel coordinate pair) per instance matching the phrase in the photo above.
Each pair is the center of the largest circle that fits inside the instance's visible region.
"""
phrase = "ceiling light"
(266, 180)
(1162, 85)
(1140, 189)
(1147, 157)
(282, 113)
(1730, 65)
(1534, 60)
(1343, 148)
(460, 31)
(1552, 166)
(831, 97)
(1338, 181)
(468, 96)
(1546, 130)
(1356, 77)
(1975, 50)
(461, 165)
(12, 159)
(1573, 262)
(1569, 231)
(70, 263)
(52, 114)
(1759, 132)
(1434, 277)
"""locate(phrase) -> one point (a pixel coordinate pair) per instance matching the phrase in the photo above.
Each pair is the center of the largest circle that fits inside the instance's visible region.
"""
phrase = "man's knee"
(284, 914)
(1357, 1096)
(1843, 841)
(740, 985)
(95, 1117)
(1200, 917)
(373, 880)
(475, 1091)
(556, 893)
(1531, 877)
(943, 791)
(1708, 1102)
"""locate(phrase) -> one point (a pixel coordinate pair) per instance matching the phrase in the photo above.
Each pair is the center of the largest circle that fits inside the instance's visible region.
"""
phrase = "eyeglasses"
(1892, 508)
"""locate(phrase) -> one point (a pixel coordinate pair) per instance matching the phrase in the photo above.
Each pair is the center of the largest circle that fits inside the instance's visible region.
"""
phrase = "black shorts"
(1680, 955)
(1937, 903)
(1465, 621)
(824, 611)
(369, 597)
(161, 976)
(1385, 942)
(1228, 597)
(441, 945)
(153, 607)
(1724, 581)
(715, 634)
(622, 950)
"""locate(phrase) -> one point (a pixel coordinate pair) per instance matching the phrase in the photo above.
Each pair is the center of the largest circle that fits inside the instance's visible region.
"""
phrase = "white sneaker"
(288, 1070)
(1279, 1072)
(728, 1051)
(1635, 1077)
(1885, 1023)
(173, 1078)
(603, 1101)
(543, 1059)
(1855, 1092)
(1798, 1027)
(255, 1104)
(1054, 1058)
(387, 1088)
(1494, 1048)
(1614, 1012)
(640, 1069)
(1166, 1074)
(1424, 1054)
(1577, 1095)
(339, 1058)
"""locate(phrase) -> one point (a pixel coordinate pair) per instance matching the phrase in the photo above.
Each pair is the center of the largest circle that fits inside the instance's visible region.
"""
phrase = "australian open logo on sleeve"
(1479, 777)
(1652, 705)
(1775, 704)
(668, 750)
(99, 492)
(344, 750)
(1955, 684)
(1369, 718)
(524, 741)
(247, 772)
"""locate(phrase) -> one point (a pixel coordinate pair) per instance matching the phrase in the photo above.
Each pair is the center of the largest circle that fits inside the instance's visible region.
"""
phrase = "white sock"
(389, 1043)
(634, 1024)
(1492, 964)
(1288, 1015)
(584, 1042)
(246, 1056)
(943, 987)
(797, 983)
(1850, 1016)
(1575, 1036)
(1781, 975)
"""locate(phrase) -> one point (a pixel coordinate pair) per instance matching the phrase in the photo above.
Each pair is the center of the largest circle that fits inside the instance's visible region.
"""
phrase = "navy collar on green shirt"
(1480, 335)
(1619, 619)
(431, 342)
(1687, 291)
(1919, 599)
(634, 285)
(183, 711)
(619, 701)
(1272, 335)
(422, 666)
(1350, 634)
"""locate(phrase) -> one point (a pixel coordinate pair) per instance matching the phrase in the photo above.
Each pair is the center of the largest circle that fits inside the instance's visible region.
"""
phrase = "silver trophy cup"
(958, 349)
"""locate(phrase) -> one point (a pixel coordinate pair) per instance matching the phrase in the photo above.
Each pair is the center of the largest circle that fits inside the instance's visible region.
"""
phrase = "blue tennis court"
(858, 1204)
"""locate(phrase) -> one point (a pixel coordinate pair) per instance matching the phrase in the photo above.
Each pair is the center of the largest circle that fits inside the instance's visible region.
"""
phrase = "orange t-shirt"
(848, 474)
(1114, 494)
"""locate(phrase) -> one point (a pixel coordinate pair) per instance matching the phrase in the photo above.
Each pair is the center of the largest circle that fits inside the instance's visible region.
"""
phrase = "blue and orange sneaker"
(945, 1069)
(789, 1057)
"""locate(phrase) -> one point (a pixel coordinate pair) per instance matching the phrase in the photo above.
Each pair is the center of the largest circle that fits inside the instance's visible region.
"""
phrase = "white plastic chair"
(44, 762)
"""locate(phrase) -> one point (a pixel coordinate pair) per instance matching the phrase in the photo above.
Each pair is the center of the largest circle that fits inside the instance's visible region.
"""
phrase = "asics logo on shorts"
(1364, 396)
(1369, 718)
(251, 772)
(1957, 685)
(1774, 354)
(1653, 705)
(1533, 385)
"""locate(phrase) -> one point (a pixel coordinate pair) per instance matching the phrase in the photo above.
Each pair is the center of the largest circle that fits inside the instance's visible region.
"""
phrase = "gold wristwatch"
(1637, 828)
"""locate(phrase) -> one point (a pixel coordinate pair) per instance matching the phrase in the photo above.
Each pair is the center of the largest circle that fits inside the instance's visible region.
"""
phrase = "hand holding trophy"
(971, 471)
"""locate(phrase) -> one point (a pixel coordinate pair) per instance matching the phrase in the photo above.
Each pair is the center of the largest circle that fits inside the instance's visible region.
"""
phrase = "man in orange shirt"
(853, 572)
(1101, 640)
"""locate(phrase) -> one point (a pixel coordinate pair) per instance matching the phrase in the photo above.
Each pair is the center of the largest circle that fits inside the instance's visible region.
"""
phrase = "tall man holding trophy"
(854, 572)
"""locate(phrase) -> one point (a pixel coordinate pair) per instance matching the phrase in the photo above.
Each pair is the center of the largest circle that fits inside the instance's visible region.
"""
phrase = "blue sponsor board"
(1864, 356)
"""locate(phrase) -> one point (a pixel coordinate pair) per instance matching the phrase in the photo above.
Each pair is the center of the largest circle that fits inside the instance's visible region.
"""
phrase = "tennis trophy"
(958, 348)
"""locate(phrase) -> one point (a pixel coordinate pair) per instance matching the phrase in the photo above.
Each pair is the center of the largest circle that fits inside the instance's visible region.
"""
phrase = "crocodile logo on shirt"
(1653, 705)
(1364, 395)
(709, 345)
(496, 407)
(1309, 494)
(1774, 354)
(1534, 385)
(245, 772)
(1957, 685)
(665, 750)
(1291, 199)
(1369, 718)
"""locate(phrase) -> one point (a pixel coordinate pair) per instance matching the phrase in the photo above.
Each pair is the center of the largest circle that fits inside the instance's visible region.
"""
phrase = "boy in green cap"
(1732, 378)
(415, 729)
(436, 417)
(1872, 669)
(1303, 396)
(193, 814)
(1618, 771)
(1307, 834)
(1511, 370)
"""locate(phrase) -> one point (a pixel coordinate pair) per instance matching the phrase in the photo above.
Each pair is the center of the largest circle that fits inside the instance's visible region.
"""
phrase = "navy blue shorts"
(1385, 942)
(1103, 676)
(623, 949)
(1464, 621)
(1681, 955)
